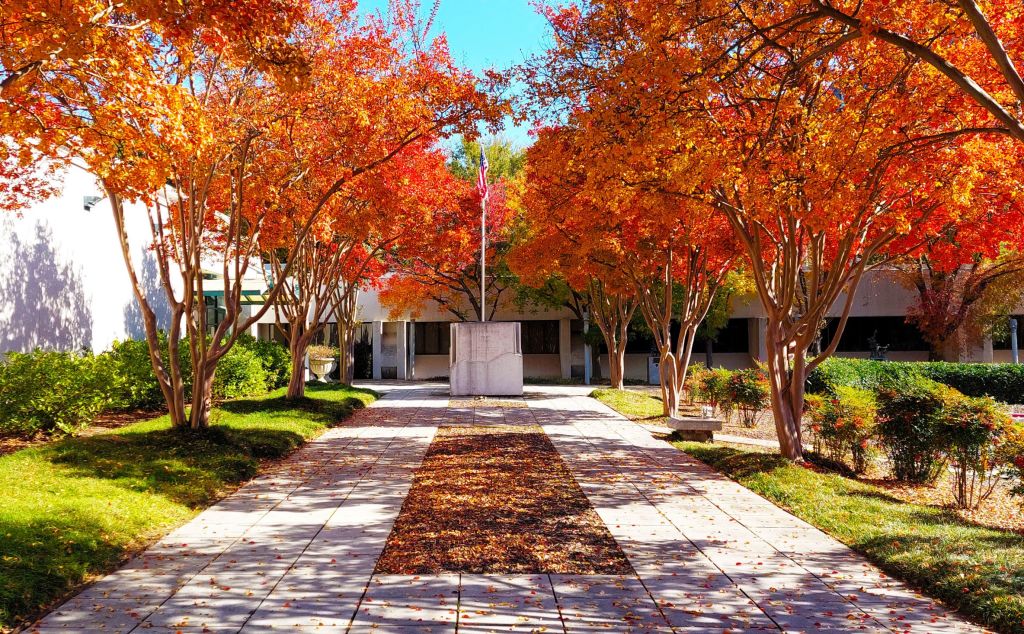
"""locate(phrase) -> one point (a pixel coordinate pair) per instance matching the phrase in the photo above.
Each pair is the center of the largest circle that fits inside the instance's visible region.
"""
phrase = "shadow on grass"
(76, 507)
(975, 569)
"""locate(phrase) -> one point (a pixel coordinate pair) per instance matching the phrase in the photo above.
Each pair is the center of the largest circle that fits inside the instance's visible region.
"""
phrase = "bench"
(695, 428)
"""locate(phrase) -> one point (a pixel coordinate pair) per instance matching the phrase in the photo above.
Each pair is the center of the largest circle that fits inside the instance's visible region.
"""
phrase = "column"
(757, 331)
(565, 347)
(376, 339)
(401, 348)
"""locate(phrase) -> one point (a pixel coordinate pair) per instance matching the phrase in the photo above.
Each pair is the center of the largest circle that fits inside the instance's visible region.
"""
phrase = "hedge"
(44, 391)
(1001, 381)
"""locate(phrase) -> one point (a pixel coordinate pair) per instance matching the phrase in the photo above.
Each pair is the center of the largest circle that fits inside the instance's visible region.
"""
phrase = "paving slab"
(295, 549)
(720, 556)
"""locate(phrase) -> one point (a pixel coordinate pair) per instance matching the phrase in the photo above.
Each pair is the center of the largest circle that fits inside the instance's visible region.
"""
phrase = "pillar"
(376, 339)
(757, 331)
(565, 347)
(401, 349)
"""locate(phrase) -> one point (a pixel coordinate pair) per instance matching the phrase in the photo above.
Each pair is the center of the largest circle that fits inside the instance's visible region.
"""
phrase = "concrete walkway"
(295, 549)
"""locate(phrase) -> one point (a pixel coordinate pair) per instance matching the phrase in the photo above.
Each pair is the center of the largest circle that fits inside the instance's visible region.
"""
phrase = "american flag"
(481, 180)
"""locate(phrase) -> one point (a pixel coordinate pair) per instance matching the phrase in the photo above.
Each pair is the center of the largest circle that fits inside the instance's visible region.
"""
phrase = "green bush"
(132, 382)
(273, 356)
(239, 373)
(907, 415)
(971, 430)
(843, 424)
(748, 391)
(50, 392)
(1012, 456)
(860, 373)
(1002, 381)
(709, 385)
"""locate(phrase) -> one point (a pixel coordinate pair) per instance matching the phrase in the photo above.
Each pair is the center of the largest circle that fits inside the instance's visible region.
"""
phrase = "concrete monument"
(486, 359)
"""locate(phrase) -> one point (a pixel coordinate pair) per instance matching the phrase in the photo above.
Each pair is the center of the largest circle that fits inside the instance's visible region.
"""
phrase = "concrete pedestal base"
(486, 359)
(694, 428)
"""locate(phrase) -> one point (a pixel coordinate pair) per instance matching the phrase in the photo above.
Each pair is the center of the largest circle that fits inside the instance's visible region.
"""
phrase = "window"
(893, 332)
(433, 337)
(215, 313)
(733, 337)
(540, 337)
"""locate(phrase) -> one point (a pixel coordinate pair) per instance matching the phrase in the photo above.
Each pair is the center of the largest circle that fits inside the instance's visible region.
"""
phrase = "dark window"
(893, 332)
(540, 337)
(215, 313)
(733, 337)
(433, 337)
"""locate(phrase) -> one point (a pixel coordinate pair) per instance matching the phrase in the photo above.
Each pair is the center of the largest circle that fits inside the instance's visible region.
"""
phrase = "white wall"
(63, 282)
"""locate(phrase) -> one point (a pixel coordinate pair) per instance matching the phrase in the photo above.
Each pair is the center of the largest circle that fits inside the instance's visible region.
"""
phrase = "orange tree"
(59, 60)
(969, 281)
(669, 251)
(974, 46)
(200, 143)
(345, 252)
(822, 168)
(443, 265)
(557, 255)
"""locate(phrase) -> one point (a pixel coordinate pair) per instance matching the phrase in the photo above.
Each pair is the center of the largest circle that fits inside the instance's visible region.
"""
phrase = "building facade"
(63, 285)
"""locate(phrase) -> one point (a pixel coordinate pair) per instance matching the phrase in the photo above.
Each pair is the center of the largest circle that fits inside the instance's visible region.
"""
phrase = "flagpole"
(483, 257)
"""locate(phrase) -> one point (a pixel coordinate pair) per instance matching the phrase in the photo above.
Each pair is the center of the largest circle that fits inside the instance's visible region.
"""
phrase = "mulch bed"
(498, 499)
(1001, 510)
(103, 422)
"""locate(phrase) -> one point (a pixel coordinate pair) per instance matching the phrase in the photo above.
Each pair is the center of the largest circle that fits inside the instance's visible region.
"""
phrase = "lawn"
(631, 404)
(977, 570)
(75, 508)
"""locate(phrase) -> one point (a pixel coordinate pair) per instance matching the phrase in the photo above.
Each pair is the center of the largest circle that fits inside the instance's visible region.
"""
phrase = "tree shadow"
(152, 288)
(44, 300)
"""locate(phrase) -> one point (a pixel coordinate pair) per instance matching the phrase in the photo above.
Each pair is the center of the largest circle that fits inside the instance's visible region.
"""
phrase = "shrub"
(277, 363)
(694, 374)
(133, 384)
(50, 392)
(971, 430)
(1002, 381)
(844, 424)
(1011, 454)
(239, 373)
(748, 391)
(861, 373)
(711, 386)
(907, 413)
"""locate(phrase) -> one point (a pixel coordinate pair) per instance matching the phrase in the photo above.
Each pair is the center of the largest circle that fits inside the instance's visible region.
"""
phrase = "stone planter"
(321, 367)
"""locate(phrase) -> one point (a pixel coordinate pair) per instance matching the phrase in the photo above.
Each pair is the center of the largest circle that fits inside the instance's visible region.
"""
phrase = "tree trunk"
(617, 365)
(298, 346)
(347, 353)
(787, 394)
(668, 377)
(202, 396)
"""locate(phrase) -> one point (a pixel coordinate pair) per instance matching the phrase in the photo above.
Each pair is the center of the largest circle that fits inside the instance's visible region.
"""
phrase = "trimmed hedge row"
(1001, 381)
(45, 391)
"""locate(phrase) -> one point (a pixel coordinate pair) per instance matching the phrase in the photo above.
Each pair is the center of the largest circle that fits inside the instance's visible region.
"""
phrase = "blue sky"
(486, 34)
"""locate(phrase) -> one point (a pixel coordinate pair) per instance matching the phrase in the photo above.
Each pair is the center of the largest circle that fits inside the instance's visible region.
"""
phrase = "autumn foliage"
(824, 153)
(240, 129)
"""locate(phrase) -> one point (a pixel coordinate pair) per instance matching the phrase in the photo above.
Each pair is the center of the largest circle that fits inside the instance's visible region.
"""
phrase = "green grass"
(977, 570)
(631, 404)
(77, 507)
